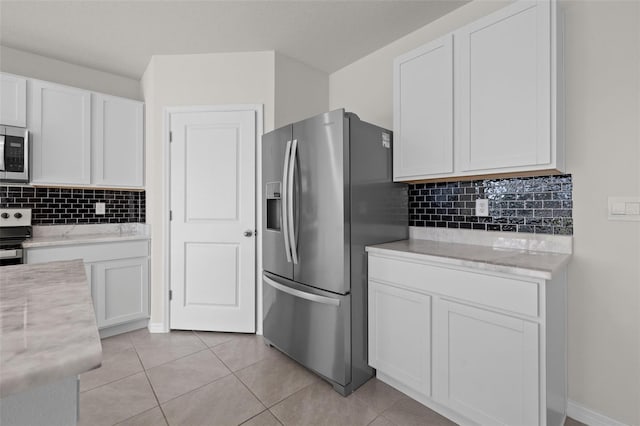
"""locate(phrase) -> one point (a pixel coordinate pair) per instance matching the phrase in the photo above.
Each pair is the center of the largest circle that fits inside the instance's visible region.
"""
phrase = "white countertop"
(49, 236)
(48, 326)
(526, 263)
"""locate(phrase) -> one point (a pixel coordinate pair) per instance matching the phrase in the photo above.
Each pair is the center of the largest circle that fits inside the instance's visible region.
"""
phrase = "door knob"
(248, 233)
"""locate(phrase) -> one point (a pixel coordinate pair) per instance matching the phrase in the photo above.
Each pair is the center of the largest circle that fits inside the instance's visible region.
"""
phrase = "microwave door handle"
(290, 219)
(2, 153)
(283, 196)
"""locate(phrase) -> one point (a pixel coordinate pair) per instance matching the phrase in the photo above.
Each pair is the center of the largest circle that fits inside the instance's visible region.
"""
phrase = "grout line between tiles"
(152, 389)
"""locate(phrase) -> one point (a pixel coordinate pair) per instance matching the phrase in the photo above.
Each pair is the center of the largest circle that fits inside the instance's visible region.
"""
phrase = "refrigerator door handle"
(284, 196)
(301, 294)
(292, 231)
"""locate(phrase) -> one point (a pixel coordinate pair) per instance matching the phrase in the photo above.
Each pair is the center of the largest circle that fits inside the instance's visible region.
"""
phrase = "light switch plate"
(482, 207)
(100, 208)
(624, 208)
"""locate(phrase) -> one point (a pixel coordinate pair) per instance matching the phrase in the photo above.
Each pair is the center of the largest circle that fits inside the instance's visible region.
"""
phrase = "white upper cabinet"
(13, 100)
(80, 138)
(504, 90)
(60, 125)
(117, 141)
(423, 105)
(505, 105)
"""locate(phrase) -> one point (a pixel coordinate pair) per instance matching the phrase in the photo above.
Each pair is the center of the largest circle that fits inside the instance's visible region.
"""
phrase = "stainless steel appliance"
(328, 192)
(15, 227)
(14, 154)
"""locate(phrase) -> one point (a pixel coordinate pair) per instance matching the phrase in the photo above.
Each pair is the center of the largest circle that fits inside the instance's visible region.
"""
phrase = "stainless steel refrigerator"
(328, 192)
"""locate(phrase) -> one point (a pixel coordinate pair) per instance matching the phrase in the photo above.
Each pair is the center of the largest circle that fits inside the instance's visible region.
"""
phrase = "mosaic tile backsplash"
(541, 205)
(64, 206)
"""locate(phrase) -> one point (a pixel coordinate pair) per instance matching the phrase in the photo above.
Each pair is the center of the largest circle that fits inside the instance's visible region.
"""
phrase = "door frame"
(258, 109)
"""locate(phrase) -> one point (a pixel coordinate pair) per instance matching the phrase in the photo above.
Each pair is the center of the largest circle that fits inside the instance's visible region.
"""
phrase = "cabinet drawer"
(507, 294)
(89, 252)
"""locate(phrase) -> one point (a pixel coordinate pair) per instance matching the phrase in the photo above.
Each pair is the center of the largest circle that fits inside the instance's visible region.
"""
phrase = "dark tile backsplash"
(541, 205)
(65, 206)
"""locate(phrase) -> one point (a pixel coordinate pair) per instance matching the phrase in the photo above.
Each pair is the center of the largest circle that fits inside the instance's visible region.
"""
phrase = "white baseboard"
(158, 327)
(589, 417)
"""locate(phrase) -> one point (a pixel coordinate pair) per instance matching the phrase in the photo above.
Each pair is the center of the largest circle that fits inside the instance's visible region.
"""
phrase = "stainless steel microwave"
(14, 154)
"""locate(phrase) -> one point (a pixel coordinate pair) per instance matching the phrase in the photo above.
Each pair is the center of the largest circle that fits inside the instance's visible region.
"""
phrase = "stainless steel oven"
(14, 154)
(15, 227)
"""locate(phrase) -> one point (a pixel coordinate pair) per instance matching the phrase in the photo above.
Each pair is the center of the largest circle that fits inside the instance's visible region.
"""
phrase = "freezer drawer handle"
(302, 294)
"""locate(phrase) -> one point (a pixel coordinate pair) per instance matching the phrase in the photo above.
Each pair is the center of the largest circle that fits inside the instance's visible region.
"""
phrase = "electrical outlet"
(100, 208)
(482, 207)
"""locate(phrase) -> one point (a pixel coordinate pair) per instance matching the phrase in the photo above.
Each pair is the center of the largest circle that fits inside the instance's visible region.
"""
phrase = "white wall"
(603, 155)
(43, 68)
(301, 91)
(185, 80)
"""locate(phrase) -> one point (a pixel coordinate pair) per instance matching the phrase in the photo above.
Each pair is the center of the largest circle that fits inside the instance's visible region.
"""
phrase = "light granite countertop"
(48, 329)
(62, 235)
(526, 263)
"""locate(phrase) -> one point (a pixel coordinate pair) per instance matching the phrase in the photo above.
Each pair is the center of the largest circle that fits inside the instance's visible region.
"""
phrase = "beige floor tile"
(571, 422)
(275, 378)
(115, 366)
(153, 417)
(117, 401)
(211, 338)
(159, 348)
(378, 395)
(263, 419)
(381, 421)
(319, 404)
(243, 351)
(408, 412)
(115, 344)
(224, 402)
(186, 374)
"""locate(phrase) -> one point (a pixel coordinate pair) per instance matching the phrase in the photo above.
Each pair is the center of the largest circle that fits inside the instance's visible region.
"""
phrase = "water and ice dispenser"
(274, 205)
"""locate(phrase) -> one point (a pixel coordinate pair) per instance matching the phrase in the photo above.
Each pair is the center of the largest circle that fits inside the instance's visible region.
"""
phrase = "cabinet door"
(400, 335)
(117, 141)
(121, 290)
(13, 101)
(60, 124)
(503, 89)
(486, 365)
(423, 111)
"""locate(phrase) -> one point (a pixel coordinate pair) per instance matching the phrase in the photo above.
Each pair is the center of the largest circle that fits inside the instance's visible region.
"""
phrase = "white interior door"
(213, 206)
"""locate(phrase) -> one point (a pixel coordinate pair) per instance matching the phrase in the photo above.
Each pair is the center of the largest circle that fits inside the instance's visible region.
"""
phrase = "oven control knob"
(5, 215)
(17, 215)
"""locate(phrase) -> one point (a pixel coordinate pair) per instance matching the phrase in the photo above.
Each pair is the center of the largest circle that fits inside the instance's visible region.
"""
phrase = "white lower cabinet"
(117, 275)
(401, 344)
(480, 348)
(488, 365)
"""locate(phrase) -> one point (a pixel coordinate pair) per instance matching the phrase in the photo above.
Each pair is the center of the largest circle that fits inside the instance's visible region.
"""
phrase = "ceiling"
(121, 36)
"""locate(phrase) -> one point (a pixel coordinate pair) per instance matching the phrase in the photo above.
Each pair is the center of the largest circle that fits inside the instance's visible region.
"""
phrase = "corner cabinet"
(507, 75)
(81, 138)
(480, 348)
(117, 275)
(13, 100)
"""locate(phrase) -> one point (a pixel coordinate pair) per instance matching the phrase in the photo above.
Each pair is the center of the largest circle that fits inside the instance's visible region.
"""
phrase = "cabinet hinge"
(170, 136)
(170, 214)
(170, 294)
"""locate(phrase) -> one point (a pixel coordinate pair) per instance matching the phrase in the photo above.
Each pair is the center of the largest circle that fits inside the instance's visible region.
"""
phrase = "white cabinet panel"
(400, 335)
(503, 88)
(423, 111)
(60, 124)
(122, 290)
(13, 100)
(117, 141)
(487, 365)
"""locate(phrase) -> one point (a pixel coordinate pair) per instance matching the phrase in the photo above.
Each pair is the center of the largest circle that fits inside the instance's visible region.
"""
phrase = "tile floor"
(196, 378)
